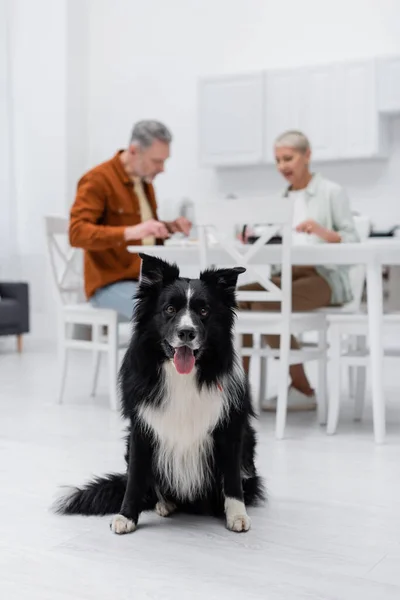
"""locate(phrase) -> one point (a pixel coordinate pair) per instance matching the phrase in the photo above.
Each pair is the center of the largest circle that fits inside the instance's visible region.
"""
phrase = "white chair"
(357, 274)
(349, 348)
(345, 338)
(221, 218)
(66, 264)
(357, 356)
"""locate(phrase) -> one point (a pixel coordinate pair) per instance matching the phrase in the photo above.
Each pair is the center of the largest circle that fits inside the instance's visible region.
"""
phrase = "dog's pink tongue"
(184, 360)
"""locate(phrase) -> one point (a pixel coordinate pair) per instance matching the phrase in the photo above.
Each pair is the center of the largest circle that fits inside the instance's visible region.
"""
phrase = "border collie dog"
(190, 446)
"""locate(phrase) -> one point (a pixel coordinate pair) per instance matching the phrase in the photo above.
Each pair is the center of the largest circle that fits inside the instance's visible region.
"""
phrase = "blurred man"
(115, 206)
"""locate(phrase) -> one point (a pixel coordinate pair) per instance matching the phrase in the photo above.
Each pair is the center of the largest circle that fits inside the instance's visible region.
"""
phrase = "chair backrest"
(221, 219)
(357, 273)
(66, 262)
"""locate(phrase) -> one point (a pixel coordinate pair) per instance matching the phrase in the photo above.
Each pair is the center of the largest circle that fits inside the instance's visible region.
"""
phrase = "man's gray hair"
(293, 139)
(144, 133)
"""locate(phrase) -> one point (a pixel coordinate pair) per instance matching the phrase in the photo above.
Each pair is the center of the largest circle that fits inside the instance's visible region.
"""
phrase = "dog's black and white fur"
(190, 445)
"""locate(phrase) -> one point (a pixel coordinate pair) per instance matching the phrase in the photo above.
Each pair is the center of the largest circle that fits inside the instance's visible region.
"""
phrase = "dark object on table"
(276, 239)
(388, 233)
(14, 310)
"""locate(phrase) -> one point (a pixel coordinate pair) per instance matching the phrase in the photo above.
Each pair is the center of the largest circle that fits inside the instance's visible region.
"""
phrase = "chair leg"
(96, 359)
(351, 372)
(63, 362)
(334, 396)
(283, 374)
(255, 373)
(19, 343)
(113, 364)
(352, 377)
(96, 370)
(263, 381)
(360, 382)
(322, 375)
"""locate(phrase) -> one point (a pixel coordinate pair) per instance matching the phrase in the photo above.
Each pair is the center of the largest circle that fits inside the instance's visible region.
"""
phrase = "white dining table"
(373, 253)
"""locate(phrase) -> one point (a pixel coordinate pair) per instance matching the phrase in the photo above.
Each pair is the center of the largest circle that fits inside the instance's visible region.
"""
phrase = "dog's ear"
(225, 278)
(155, 271)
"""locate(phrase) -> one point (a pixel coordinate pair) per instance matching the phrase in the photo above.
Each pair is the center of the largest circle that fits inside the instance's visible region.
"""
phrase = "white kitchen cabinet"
(231, 120)
(281, 110)
(334, 105)
(303, 99)
(343, 108)
(389, 85)
(319, 116)
(363, 133)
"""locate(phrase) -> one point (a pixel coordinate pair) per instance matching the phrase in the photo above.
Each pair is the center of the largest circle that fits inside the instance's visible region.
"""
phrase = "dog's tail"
(102, 496)
(254, 491)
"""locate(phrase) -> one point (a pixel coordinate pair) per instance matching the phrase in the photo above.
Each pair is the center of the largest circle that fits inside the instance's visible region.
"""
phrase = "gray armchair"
(14, 310)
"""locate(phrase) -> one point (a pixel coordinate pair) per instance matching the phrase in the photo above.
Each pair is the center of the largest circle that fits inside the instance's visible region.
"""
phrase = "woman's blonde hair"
(293, 139)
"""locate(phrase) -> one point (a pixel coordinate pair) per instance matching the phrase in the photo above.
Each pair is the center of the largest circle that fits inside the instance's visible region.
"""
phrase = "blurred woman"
(321, 215)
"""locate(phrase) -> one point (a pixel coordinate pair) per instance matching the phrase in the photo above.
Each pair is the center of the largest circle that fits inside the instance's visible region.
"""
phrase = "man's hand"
(312, 227)
(145, 229)
(180, 225)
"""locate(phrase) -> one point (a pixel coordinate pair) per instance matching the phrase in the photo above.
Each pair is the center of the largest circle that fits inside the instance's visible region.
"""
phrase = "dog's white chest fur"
(182, 427)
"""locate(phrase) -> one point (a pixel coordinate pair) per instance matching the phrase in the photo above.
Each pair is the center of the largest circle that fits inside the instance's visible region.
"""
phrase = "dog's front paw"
(238, 523)
(164, 509)
(237, 518)
(121, 525)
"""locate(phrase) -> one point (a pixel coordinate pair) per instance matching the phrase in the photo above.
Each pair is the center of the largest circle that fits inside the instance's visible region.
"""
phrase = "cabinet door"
(319, 111)
(283, 99)
(231, 120)
(358, 111)
(389, 85)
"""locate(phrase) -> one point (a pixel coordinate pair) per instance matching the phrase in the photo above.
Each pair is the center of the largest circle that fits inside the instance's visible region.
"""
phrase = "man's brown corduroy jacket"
(104, 206)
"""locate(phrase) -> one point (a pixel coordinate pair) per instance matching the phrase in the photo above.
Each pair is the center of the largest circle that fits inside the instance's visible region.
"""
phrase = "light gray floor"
(331, 529)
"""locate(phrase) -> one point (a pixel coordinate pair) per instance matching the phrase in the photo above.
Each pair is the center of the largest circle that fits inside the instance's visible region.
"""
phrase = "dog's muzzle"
(184, 346)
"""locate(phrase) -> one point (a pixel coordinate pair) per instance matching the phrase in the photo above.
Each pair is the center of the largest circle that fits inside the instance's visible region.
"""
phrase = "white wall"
(45, 79)
(145, 60)
(38, 56)
(8, 241)
(77, 27)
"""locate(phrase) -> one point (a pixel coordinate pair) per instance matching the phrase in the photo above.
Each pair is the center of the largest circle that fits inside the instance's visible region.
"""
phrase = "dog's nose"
(187, 334)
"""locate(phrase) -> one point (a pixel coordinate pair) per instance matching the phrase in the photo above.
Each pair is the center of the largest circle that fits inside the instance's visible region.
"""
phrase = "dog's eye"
(204, 312)
(170, 310)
